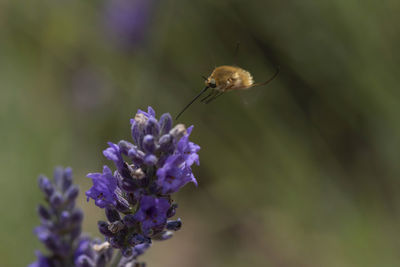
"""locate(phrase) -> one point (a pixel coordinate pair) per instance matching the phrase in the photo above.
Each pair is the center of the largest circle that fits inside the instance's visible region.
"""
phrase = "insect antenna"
(269, 80)
(191, 102)
(235, 56)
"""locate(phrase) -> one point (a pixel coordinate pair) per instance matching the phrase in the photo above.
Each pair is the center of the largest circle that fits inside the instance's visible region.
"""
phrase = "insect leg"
(268, 81)
(214, 97)
(210, 96)
(204, 98)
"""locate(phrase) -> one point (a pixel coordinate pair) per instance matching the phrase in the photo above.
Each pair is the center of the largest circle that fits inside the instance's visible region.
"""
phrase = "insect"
(224, 79)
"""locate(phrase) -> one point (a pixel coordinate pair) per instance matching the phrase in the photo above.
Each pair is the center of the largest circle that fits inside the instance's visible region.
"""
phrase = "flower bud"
(65, 216)
(136, 239)
(149, 144)
(166, 143)
(174, 225)
(152, 127)
(136, 156)
(71, 193)
(129, 220)
(150, 160)
(165, 123)
(103, 228)
(52, 242)
(84, 261)
(56, 200)
(117, 241)
(45, 185)
(138, 127)
(67, 179)
(115, 227)
(112, 215)
(172, 210)
(122, 204)
(77, 216)
(125, 146)
(43, 213)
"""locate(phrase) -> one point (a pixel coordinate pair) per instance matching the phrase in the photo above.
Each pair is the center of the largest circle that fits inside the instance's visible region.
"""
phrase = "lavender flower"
(152, 212)
(137, 196)
(174, 174)
(128, 20)
(60, 228)
(103, 190)
(60, 222)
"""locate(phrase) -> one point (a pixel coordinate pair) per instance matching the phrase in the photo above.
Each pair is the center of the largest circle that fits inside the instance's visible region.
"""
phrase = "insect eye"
(212, 83)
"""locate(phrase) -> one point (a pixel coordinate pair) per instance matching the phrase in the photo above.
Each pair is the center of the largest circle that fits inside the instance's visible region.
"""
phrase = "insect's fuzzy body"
(224, 79)
(228, 78)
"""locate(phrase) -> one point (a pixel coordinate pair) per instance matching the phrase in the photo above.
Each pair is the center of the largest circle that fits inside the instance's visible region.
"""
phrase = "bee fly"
(224, 79)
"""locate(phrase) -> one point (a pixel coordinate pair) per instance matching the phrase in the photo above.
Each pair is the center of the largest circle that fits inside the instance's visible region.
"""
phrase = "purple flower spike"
(137, 197)
(60, 227)
(128, 21)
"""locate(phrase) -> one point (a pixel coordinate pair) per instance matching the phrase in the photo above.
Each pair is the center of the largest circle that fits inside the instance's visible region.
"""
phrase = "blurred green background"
(302, 172)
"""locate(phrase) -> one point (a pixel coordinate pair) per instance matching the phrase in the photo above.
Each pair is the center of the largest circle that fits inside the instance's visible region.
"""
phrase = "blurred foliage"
(302, 172)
